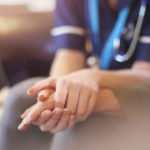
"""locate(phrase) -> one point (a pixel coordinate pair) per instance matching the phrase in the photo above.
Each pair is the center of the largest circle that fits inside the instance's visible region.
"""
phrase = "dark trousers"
(10, 138)
(131, 131)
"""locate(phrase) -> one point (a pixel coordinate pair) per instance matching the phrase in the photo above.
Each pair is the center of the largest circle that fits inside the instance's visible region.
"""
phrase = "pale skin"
(79, 92)
(70, 106)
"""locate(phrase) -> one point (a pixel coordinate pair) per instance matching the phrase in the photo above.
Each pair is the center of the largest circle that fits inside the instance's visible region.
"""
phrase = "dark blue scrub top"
(72, 26)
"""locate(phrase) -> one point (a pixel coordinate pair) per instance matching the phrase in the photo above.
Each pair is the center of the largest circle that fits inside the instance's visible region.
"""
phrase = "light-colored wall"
(33, 5)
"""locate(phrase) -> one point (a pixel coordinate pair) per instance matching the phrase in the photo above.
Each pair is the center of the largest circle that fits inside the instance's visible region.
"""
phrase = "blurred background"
(25, 42)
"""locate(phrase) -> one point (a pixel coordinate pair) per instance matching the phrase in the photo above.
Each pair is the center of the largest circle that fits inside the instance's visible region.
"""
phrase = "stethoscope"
(112, 44)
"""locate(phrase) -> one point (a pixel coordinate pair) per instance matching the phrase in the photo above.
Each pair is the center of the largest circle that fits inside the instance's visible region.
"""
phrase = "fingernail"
(30, 91)
(41, 97)
(21, 127)
(47, 113)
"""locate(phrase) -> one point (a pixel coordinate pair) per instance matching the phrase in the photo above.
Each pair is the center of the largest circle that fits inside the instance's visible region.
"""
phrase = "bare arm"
(67, 61)
(140, 72)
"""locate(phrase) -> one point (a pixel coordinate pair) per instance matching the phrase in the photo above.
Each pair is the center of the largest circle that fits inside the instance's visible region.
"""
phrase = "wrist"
(97, 75)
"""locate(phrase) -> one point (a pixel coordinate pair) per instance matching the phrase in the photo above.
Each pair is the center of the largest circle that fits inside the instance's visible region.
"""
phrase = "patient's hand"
(34, 112)
(107, 104)
(43, 115)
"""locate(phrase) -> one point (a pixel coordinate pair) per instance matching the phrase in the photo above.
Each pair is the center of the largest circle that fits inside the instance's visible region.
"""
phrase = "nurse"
(112, 27)
(121, 43)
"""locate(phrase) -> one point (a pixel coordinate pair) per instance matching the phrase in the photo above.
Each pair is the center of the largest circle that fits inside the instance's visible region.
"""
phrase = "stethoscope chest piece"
(128, 32)
(127, 35)
(134, 34)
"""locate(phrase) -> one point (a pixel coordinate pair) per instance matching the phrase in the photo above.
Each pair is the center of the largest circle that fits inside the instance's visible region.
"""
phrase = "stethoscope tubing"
(137, 31)
(94, 22)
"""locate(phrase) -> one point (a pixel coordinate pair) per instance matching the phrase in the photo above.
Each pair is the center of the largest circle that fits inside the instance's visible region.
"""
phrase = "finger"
(44, 94)
(25, 113)
(63, 122)
(44, 84)
(30, 117)
(73, 97)
(61, 93)
(53, 120)
(71, 123)
(83, 102)
(36, 110)
(46, 115)
(93, 98)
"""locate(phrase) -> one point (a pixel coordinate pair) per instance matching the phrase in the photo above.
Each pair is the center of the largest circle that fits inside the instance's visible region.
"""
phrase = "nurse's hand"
(78, 92)
(107, 103)
(58, 120)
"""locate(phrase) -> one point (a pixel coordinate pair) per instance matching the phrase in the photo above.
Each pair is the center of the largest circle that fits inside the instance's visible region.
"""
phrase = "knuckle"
(81, 113)
(86, 87)
(77, 83)
(63, 81)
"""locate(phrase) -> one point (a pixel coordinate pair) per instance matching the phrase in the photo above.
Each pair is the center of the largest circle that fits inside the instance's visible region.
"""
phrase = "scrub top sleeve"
(143, 48)
(69, 30)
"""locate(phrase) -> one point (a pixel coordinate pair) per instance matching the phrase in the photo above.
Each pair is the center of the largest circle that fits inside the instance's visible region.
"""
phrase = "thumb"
(41, 85)
(44, 94)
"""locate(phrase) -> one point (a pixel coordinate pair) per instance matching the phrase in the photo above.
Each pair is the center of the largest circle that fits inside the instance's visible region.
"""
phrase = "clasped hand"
(62, 101)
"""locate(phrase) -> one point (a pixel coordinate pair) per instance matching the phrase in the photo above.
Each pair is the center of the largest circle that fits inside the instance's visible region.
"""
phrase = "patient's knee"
(17, 99)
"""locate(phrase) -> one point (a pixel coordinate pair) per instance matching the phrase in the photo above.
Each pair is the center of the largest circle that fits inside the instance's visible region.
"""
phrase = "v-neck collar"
(121, 4)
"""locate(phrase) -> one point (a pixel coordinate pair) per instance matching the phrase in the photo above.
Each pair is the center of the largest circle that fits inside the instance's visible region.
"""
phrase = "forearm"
(67, 61)
(121, 78)
(108, 102)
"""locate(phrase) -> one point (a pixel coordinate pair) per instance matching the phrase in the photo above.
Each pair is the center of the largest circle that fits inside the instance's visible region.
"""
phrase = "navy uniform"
(100, 132)
(72, 26)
